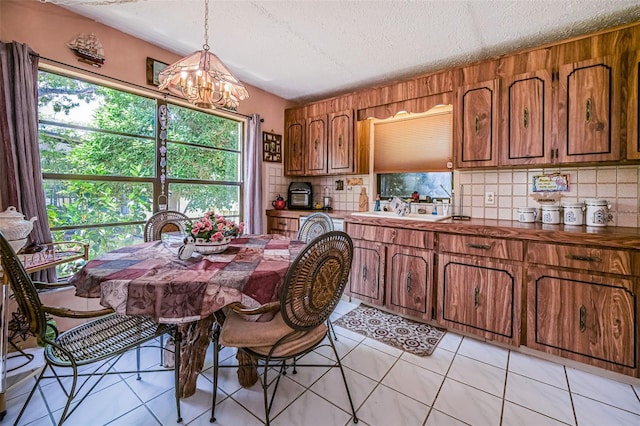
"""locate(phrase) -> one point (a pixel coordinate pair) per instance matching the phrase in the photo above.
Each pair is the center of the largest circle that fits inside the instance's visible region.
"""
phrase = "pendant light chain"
(206, 25)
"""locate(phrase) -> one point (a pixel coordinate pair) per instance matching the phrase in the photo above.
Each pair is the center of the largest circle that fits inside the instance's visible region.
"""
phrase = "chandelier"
(202, 78)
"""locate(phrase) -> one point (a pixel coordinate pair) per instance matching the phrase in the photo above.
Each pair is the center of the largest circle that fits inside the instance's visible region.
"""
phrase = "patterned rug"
(411, 336)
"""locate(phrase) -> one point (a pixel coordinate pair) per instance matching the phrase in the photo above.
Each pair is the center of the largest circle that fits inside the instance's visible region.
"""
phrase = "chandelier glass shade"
(203, 79)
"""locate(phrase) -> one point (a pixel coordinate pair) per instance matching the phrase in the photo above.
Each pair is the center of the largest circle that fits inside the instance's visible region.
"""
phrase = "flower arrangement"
(214, 228)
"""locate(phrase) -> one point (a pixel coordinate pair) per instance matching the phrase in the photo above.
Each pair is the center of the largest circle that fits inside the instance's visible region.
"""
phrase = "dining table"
(150, 279)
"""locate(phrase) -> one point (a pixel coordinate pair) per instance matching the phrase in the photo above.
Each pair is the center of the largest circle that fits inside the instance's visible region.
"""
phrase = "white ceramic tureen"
(15, 228)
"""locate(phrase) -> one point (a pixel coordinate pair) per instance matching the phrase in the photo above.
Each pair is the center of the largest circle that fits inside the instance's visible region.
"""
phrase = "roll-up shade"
(414, 143)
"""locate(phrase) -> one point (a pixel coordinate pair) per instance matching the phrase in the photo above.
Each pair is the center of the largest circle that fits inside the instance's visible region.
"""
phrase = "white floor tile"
(344, 345)
(438, 362)
(594, 413)
(340, 331)
(311, 410)
(474, 373)
(252, 398)
(610, 392)
(436, 418)
(229, 413)
(369, 361)
(331, 387)
(306, 376)
(468, 404)
(538, 369)
(515, 415)
(450, 342)
(540, 397)
(164, 405)
(418, 383)
(383, 347)
(485, 352)
(138, 416)
(388, 407)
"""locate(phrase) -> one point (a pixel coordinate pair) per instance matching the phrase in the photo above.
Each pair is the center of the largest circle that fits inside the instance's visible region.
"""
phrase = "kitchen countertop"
(611, 236)
(338, 214)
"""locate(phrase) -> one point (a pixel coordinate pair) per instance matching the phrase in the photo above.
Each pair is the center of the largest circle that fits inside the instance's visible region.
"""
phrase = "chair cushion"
(261, 336)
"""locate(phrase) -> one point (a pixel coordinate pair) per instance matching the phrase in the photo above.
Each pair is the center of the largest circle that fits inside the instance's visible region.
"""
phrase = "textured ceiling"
(309, 50)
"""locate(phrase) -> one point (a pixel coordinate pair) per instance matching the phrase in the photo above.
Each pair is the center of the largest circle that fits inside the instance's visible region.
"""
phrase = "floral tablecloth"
(149, 279)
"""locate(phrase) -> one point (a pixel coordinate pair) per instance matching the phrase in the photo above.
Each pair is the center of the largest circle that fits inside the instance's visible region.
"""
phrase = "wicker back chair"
(315, 225)
(312, 289)
(101, 341)
(164, 221)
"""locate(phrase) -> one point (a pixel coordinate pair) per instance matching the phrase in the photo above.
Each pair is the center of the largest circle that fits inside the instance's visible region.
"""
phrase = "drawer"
(585, 258)
(404, 237)
(480, 246)
(282, 224)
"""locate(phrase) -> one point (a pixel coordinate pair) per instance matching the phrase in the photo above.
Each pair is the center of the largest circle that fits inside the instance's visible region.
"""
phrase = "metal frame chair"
(312, 288)
(164, 221)
(101, 341)
(315, 225)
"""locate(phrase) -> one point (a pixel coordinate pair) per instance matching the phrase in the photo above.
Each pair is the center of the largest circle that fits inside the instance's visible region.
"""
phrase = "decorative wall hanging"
(555, 182)
(271, 147)
(154, 68)
(88, 49)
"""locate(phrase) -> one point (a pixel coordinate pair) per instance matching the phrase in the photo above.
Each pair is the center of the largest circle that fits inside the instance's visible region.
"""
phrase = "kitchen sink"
(412, 216)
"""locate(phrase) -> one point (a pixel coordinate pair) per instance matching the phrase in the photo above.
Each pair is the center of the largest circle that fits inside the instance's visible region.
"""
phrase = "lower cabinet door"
(585, 317)
(409, 281)
(480, 297)
(366, 281)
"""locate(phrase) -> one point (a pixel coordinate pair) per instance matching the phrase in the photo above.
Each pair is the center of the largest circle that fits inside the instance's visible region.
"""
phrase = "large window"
(108, 161)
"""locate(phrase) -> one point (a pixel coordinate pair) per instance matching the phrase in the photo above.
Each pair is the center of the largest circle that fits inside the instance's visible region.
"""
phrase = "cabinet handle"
(294, 148)
(282, 224)
(340, 141)
(588, 106)
(479, 246)
(583, 318)
(408, 281)
(364, 272)
(477, 124)
(476, 297)
(552, 153)
(525, 118)
(315, 144)
(583, 258)
(557, 156)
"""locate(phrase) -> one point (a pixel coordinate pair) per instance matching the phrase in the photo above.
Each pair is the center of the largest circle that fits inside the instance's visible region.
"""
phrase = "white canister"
(598, 212)
(527, 214)
(551, 215)
(573, 213)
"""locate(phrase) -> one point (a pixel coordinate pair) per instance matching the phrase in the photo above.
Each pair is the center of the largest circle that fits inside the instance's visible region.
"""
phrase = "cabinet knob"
(364, 272)
(587, 109)
(340, 141)
(583, 258)
(476, 297)
(477, 124)
(408, 281)
(479, 246)
(525, 118)
(582, 322)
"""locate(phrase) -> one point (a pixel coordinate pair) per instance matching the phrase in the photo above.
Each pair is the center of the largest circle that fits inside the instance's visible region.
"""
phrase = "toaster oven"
(300, 195)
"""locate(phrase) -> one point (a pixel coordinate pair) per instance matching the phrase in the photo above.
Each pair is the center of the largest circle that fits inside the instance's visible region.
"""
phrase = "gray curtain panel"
(252, 197)
(20, 173)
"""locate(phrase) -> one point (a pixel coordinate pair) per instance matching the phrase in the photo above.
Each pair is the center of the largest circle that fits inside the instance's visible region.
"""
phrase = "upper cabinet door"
(633, 109)
(477, 124)
(588, 111)
(341, 147)
(294, 153)
(316, 152)
(526, 119)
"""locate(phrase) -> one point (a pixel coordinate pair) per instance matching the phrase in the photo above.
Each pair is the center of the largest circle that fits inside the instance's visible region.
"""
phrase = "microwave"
(300, 195)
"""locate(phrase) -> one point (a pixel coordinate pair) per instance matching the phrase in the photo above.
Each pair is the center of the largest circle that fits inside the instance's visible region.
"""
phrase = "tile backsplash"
(619, 185)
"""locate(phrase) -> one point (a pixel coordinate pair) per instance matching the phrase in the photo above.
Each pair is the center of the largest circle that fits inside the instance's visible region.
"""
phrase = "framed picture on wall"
(154, 68)
(271, 147)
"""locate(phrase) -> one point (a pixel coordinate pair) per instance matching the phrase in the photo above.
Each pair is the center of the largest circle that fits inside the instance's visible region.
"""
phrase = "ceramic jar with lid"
(598, 212)
(15, 228)
(551, 214)
(527, 214)
(573, 213)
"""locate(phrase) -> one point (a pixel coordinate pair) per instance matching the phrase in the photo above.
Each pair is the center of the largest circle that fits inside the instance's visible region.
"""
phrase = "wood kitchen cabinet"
(286, 226)
(583, 305)
(410, 281)
(476, 117)
(341, 143)
(526, 119)
(366, 281)
(295, 131)
(588, 110)
(633, 107)
(315, 153)
(478, 294)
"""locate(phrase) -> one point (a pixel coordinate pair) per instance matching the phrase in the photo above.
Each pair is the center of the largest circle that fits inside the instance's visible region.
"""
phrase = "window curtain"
(20, 173)
(252, 197)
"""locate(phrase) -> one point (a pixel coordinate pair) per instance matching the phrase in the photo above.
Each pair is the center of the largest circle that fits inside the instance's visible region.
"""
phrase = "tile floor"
(464, 381)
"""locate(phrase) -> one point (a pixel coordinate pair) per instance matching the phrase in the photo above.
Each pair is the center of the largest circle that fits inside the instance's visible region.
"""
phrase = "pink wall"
(47, 28)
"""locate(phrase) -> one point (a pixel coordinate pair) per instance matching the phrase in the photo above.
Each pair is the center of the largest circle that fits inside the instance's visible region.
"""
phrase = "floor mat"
(411, 336)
